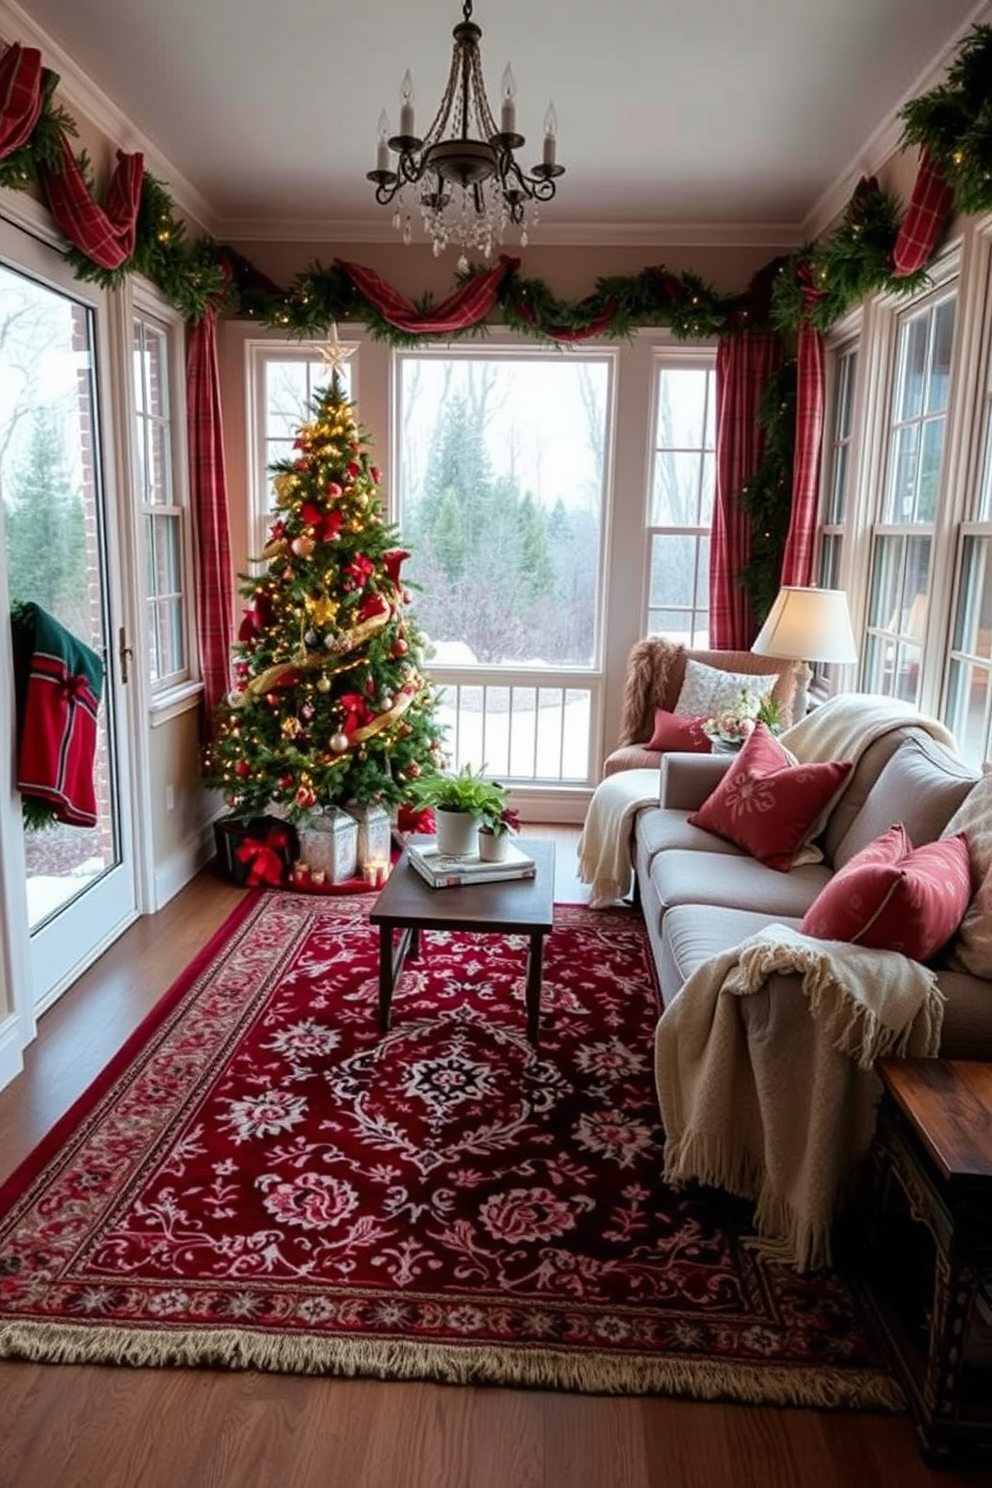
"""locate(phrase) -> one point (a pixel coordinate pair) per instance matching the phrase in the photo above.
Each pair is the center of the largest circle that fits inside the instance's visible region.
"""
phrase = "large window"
(969, 683)
(163, 512)
(501, 472)
(902, 547)
(680, 513)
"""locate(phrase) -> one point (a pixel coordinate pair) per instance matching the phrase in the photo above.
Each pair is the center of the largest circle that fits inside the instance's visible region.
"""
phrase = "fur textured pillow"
(768, 805)
(894, 897)
(706, 690)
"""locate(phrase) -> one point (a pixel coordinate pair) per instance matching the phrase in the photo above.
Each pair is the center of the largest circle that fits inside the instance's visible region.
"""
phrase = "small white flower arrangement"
(733, 725)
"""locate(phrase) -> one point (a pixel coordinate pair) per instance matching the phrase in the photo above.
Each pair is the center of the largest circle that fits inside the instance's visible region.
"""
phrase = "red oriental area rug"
(262, 1181)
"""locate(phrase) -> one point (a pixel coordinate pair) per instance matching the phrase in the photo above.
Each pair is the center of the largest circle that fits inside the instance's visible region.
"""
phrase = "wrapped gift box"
(329, 845)
(256, 850)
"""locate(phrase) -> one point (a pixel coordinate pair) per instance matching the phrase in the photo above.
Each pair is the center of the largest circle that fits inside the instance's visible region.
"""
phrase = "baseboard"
(182, 867)
(11, 1053)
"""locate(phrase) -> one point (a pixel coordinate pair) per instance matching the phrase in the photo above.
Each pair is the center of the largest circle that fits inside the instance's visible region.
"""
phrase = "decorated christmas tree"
(329, 705)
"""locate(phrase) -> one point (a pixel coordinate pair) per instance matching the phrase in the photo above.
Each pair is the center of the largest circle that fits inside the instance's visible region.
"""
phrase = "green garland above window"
(954, 122)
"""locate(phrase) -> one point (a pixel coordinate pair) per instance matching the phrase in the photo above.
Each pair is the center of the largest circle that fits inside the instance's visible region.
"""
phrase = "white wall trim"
(77, 90)
(181, 867)
(11, 1055)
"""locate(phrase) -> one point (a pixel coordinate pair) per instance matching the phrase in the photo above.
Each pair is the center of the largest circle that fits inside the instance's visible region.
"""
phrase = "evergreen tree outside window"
(501, 479)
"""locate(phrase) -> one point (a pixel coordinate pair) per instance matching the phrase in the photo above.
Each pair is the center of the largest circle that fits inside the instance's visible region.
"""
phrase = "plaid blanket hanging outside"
(58, 682)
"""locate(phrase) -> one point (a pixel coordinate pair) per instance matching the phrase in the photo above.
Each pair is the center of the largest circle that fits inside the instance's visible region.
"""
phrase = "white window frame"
(671, 357)
(178, 691)
(891, 314)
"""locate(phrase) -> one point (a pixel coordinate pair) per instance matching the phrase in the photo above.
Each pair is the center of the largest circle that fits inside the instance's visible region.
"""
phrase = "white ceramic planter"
(457, 832)
(492, 849)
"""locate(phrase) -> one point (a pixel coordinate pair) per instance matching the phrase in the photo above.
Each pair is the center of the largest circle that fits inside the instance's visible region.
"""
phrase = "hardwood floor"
(65, 1426)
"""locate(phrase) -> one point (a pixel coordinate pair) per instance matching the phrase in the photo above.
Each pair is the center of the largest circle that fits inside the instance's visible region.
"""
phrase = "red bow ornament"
(266, 865)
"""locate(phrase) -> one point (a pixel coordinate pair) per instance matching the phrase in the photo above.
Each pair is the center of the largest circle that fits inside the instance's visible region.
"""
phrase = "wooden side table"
(930, 1245)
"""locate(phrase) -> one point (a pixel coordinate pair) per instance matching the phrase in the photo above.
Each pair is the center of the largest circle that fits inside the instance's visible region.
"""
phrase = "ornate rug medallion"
(260, 1180)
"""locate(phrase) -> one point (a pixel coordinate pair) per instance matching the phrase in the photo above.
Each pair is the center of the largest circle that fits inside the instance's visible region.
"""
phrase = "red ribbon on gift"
(267, 867)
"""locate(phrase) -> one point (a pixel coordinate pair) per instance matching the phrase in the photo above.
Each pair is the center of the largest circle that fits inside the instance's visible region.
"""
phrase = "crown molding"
(78, 91)
(884, 144)
(785, 235)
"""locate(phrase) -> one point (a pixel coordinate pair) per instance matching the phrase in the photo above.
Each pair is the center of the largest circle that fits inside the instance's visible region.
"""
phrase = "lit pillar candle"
(508, 112)
(550, 131)
(406, 104)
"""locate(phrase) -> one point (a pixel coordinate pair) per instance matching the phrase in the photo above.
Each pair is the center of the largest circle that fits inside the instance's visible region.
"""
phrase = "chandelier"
(463, 170)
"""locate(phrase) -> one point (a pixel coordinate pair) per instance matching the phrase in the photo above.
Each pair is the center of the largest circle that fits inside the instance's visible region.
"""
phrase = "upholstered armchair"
(655, 673)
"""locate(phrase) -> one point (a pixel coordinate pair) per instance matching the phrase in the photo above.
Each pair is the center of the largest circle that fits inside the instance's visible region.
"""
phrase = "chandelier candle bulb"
(406, 105)
(508, 112)
(550, 131)
(382, 152)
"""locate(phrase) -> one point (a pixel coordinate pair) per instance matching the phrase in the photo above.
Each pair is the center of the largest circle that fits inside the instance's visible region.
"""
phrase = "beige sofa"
(701, 895)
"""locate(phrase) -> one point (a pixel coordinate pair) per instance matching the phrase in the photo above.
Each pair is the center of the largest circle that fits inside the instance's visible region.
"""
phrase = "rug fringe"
(542, 1368)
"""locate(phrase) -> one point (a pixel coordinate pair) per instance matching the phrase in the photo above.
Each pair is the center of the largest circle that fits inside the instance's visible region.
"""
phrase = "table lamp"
(807, 625)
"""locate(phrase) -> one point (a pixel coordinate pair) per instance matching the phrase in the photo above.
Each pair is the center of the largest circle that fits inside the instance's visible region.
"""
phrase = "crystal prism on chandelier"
(463, 176)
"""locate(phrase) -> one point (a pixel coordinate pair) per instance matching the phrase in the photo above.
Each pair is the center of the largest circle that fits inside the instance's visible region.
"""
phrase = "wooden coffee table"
(523, 906)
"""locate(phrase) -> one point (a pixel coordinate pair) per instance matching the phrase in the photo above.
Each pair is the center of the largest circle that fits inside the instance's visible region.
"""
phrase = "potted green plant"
(461, 803)
(495, 829)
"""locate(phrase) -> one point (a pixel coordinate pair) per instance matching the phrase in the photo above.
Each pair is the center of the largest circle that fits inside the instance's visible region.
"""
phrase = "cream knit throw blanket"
(605, 859)
(782, 1121)
(844, 726)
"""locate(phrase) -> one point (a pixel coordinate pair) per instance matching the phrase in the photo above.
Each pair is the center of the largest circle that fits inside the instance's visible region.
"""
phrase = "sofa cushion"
(767, 805)
(707, 689)
(921, 784)
(896, 897)
(693, 935)
(673, 731)
(678, 876)
(972, 950)
(660, 831)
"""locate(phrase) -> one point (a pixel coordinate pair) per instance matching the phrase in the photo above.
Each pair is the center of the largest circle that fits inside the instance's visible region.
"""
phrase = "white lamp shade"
(808, 625)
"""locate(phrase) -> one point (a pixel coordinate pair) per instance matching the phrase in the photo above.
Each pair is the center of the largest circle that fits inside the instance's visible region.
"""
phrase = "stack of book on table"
(443, 872)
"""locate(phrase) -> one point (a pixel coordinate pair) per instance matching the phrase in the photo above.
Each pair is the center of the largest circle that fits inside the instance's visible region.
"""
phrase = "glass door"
(57, 525)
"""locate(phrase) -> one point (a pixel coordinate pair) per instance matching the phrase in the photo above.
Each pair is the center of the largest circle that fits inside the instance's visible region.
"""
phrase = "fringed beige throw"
(781, 1119)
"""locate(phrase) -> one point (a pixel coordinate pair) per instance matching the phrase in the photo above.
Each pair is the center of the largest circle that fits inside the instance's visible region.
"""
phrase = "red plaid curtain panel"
(20, 96)
(797, 561)
(743, 365)
(104, 234)
(929, 208)
(208, 494)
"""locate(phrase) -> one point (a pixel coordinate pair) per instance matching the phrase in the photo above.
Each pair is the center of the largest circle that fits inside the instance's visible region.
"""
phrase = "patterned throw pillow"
(767, 805)
(972, 950)
(894, 897)
(684, 734)
(706, 690)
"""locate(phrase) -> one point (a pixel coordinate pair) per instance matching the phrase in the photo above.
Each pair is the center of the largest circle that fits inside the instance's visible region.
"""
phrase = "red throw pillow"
(767, 805)
(895, 898)
(672, 731)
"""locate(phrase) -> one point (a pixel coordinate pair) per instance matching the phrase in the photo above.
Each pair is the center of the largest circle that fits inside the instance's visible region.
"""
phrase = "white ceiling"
(724, 116)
